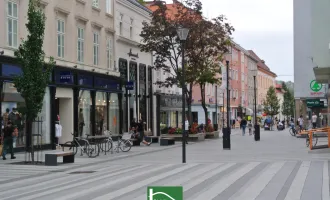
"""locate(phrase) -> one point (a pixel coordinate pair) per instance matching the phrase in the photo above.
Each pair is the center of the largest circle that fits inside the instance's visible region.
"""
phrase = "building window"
(80, 45)
(121, 25)
(96, 3)
(131, 29)
(108, 6)
(109, 53)
(96, 49)
(60, 38)
(12, 24)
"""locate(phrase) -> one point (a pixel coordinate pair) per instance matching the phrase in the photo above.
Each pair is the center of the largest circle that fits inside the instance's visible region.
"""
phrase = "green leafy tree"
(159, 36)
(205, 40)
(288, 105)
(271, 103)
(32, 83)
(210, 42)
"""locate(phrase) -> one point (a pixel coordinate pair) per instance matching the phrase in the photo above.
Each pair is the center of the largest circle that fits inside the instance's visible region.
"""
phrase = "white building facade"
(84, 90)
(311, 54)
(134, 65)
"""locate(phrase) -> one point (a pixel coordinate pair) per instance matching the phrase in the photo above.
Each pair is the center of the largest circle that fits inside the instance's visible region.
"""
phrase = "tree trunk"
(202, 86)
(189, 101)
(29, 139)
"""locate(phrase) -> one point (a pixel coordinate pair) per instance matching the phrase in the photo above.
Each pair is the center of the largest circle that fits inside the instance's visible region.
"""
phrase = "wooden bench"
(152, 139)
(51, 157)
(167, 141)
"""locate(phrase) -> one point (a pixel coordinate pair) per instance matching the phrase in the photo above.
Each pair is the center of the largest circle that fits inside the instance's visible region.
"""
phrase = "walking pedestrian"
(243, 125)
(8, 134)
(250, 127)
(314, 120)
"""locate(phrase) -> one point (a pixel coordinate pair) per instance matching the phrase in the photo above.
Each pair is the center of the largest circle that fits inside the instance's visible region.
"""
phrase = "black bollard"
(257, 132)
(226, 138)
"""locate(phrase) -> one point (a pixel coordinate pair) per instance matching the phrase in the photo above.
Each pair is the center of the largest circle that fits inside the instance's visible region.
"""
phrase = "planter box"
(213, 135)
(191, 137)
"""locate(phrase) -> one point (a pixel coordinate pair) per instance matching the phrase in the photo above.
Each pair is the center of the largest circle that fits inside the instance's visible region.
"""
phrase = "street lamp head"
(182, 33)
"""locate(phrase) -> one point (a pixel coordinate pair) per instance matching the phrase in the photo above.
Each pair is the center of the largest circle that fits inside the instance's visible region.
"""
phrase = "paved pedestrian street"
(279, 167)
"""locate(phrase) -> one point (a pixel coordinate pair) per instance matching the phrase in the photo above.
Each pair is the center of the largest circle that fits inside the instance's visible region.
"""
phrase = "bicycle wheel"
(125, 145)
(307, 141)
(315, 139)
(105, 145)
(70, 146)
(93, 150)
(292, 132)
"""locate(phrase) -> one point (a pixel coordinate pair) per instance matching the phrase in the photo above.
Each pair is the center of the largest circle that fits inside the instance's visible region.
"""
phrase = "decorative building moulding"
(110, 30)
(44, 3)
(97, 25)
(61, 10)
(81, 1)
(128, 41)
(81, 18)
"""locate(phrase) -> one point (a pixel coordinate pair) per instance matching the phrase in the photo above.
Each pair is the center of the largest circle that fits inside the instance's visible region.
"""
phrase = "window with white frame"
(60, 38)
(109, 53)
(96, 3)
(131, 29)
(12, 24)
(96, 46)
(121, 24)
(109, 6)
(80, 45)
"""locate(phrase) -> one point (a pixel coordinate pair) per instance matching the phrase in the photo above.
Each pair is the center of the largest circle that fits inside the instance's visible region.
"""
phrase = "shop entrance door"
(64, 108)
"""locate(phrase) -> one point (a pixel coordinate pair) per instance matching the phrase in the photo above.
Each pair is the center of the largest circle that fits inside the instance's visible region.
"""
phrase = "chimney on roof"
(263, 61)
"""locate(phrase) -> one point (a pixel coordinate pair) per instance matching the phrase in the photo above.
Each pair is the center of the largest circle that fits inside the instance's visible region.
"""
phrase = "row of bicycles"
(93, 145)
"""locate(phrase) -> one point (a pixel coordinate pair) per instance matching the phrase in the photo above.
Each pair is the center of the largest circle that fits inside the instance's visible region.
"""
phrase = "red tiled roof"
(261, 63)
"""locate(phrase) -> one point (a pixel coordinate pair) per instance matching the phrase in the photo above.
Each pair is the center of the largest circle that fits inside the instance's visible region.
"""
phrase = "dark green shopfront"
(84, 102)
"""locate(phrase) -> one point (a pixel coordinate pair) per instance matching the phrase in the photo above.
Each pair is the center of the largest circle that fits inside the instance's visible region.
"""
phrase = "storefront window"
(11, 109)
(113, 113)
(42, 123)
(84, 116)
(100, 112)
(173, 119)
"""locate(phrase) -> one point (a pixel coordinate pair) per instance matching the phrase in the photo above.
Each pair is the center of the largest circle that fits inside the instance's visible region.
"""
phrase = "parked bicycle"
(123, 143)
(91, 149)
(293, 130)
(314, 140)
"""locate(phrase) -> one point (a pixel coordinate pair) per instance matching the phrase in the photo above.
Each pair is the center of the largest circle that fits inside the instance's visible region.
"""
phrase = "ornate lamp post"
(183, 34)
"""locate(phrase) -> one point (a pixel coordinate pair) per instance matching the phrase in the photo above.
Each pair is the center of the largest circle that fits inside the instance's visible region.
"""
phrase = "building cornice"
(127, 40)
(134, 8)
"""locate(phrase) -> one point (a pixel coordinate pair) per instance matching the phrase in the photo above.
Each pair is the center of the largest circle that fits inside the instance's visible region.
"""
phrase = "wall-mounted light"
(2, 52)
(75, 66)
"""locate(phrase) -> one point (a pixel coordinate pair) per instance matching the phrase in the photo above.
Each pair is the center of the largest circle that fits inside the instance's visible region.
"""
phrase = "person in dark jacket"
(140, 131)
(243, 125)
(8, 134)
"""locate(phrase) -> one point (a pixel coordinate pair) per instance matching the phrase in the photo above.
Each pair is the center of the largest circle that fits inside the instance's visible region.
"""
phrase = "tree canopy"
(32, 83)
(271, 103)
(288, 101)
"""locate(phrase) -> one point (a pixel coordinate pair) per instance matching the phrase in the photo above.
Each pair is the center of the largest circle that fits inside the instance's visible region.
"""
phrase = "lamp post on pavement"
(256, 125)
(183, 34)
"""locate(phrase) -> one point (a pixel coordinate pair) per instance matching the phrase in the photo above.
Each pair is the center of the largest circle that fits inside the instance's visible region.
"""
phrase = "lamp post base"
(226, 138)
(257, 132)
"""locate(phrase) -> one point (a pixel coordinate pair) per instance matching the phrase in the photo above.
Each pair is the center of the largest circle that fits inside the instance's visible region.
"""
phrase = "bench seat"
(152, 139)
(167, 141)
(51, 157)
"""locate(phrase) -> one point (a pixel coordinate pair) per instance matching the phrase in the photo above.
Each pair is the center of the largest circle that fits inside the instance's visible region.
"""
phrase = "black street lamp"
(223, 109)
(183, 34)
(256, 125)
(226, 131)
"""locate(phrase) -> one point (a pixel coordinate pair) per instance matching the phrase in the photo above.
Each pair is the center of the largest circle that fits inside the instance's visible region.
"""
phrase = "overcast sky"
(264, 26)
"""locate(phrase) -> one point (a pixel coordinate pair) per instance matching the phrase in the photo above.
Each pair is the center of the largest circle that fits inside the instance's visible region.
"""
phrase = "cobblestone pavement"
(277, 167)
